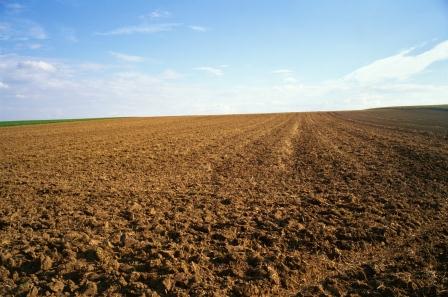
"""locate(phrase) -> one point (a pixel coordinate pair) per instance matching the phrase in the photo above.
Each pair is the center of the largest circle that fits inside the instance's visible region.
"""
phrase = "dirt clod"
(90, 289)
(46, 263)
(57, 286)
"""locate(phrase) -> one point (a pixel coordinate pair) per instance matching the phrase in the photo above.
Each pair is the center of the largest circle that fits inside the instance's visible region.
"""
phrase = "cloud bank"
(45, 88)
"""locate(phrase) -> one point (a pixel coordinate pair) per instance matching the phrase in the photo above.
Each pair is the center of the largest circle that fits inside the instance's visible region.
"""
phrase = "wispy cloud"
(21, 30)
(3, 85)
(91, 67)
(198, 28)
(157, 14)
(287, 75)
(35, 46)
(36, 65)
(141, 29)
(126, 57)
(211, 70)
(80, 90)
(5, 31)
(13, 7)
(290, 80)
(170, 74)
(283, 71)
(37, 32)
(147, 25)
(400, 66)
(69, 34)
(28, 45)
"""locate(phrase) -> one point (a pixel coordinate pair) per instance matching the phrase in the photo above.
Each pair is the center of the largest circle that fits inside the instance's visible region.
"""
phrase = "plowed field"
(300, 204)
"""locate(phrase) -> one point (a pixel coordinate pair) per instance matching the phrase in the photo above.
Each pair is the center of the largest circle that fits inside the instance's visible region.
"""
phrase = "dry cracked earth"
(298, 204)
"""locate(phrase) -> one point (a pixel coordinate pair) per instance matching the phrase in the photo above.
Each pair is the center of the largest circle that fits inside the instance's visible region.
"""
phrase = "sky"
(103, 58)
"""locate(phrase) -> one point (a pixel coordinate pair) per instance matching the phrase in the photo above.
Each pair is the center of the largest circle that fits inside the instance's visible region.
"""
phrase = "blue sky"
(73, 58)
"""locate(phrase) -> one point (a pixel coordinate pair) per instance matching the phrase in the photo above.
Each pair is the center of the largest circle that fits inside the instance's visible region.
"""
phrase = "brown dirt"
(309, 204)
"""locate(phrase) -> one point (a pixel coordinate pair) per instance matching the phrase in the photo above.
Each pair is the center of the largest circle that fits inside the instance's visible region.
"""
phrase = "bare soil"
(300, 204)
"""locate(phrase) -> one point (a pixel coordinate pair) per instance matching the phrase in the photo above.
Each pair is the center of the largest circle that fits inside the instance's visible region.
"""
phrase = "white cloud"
(199, 28)
(156, 14)
(211, 70)
(290, 80)
(141, 29)
(35, 46)
(78, 90)
(91, 66)
(36, 65)
(170, 74)
(126, 57)
(29, 77)
(287, 75)
(3, 85)
(400, 66)
(28, 45)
